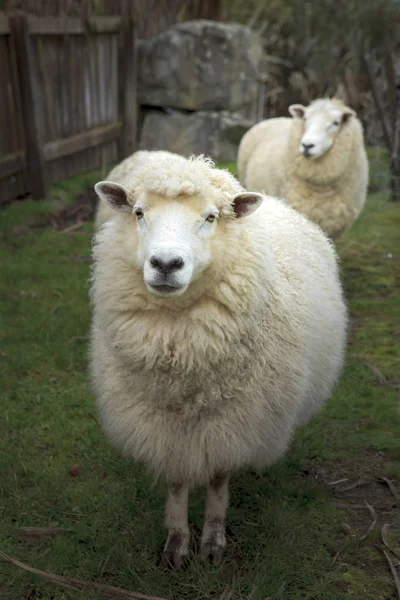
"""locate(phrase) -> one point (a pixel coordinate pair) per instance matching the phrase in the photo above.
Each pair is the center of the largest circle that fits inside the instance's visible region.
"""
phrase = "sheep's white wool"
(315, 161)
(221, 376)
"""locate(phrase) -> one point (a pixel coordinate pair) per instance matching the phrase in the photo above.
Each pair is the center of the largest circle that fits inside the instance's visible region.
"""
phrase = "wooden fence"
(67, 98)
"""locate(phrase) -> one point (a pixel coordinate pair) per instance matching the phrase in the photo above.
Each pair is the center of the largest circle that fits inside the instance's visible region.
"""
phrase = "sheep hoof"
(176, 551)
(212, 552)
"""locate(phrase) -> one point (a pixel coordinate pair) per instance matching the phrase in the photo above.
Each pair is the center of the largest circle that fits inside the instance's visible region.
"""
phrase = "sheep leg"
(176, 549)
(213, 540)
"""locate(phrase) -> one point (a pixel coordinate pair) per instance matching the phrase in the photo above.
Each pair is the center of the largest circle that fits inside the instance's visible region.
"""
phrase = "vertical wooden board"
(77, 88)
(107, 76)
(94, 113)
(46, 74)
(9, 131)
(101, 72)
(56, 96)
(128, 75)
(114, 67)
(4, 143)
(63, 52)
(16, 87)
(30, 96)
(40, 108)
(87, 88)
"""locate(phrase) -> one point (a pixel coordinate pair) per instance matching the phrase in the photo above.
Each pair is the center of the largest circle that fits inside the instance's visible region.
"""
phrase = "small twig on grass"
(393, 571)
(384, 529)
(352, 486)
(41, 531)
(391, 488)
(338, 481)
(374, 520)
(108, 591)
(382, 380)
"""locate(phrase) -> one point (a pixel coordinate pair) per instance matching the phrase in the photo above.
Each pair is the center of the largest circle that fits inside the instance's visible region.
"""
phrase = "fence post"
(127, 86)
(30, 97)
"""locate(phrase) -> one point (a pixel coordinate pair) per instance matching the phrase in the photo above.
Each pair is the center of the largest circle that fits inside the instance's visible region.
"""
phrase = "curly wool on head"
(125, 172)
(174, 176)
(329, 189)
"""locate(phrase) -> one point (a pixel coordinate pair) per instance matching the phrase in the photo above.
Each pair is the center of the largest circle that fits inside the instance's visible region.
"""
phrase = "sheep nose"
(307, 146)
(174, 264)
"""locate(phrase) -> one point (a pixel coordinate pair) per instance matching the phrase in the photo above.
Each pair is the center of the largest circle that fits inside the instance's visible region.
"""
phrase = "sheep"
(219, 328)
(316, 161)
(120, 174)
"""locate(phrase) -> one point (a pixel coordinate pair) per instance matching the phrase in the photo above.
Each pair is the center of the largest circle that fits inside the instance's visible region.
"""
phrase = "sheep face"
(322, 121)
(173, 235)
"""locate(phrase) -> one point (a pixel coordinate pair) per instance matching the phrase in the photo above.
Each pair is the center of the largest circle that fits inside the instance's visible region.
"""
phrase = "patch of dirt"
(64, 217)
(82, 210)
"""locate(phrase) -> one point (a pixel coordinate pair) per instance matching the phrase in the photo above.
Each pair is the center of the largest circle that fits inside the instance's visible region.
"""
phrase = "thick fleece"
(329, 190)
(220, 377)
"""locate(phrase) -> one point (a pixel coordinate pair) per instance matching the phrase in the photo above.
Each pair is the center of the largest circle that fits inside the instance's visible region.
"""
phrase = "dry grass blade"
(41, 531)
(374, 520)
(393, 571)
(71, 227)
(385, 540)
(391, 488)
(108, 591)
(335, 558)
(227, 593)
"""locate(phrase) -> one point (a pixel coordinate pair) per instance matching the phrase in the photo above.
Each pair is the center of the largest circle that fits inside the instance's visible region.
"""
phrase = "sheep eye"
(211, 218)
(336, 123)
(139, 214)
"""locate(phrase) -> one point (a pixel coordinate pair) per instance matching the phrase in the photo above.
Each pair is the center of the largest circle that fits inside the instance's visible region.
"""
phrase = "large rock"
(200, 65)
(215, 134)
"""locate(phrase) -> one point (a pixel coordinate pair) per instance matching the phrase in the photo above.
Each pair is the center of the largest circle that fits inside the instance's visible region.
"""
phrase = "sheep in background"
(216, 332)
(315, 161)
(121, 173)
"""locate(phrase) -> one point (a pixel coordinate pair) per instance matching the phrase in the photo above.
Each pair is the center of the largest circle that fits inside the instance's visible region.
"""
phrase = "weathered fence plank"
(30, 105)
(82, 141)
(128, 79)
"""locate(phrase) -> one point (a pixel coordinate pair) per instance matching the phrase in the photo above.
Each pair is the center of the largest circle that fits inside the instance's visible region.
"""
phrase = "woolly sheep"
(121, 174)
(316, 161)
(216, 332)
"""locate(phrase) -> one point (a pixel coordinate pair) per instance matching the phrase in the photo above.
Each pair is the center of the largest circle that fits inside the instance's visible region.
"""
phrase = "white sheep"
(216, 332)
(121, 173)
(315, 161)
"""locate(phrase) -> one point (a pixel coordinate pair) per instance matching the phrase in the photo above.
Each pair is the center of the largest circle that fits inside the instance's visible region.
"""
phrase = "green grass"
(285, 528)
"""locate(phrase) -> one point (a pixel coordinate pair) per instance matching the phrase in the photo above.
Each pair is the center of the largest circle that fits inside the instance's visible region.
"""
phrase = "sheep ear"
(297, 110)
(114, 194)
(347, 114)
(246, 203)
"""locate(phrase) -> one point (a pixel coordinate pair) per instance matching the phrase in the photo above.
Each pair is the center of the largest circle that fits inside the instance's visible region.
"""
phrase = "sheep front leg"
(213, 540)
(176, 549)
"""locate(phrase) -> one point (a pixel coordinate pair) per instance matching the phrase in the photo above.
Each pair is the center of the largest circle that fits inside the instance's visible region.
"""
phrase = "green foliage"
(284, 529)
